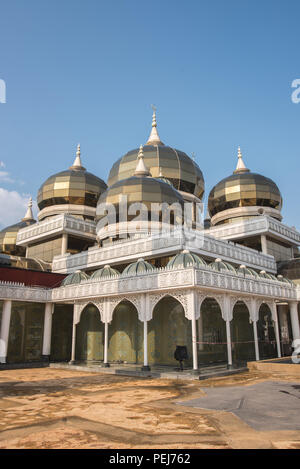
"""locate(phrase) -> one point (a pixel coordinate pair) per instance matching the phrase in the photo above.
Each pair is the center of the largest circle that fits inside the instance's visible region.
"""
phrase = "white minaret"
(241, 167)
(154, 138)
(28, 214)
(77, 162)
(141, 169)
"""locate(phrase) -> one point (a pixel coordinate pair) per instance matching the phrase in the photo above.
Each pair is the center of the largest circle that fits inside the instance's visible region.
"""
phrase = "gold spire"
(154, 138)
(240, 168)
(141, 169)
(77, 162)
(28, 214)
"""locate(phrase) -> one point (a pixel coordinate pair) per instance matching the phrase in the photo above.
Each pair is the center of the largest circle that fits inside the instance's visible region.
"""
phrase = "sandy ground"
(55, 408)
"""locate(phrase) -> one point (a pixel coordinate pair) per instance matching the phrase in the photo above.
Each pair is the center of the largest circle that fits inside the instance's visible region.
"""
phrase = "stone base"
(106, 365)
(146, 368)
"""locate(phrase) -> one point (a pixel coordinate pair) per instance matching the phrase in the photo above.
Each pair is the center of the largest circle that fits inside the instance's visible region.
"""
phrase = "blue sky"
(219, 72)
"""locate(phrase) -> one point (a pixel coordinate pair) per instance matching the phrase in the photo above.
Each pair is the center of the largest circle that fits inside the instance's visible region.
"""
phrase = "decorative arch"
(202, 297)
(247, 301)
(114, 302)
(79, 307)
(180, 296)
(272, 307)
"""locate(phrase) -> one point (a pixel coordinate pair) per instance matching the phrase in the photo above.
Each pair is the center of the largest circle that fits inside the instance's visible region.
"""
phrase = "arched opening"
(266, 333)
(211, 332)
(90, 335)
(26, 332)
(125, 335)
(242, 334)
(61, 333)
(167, 329)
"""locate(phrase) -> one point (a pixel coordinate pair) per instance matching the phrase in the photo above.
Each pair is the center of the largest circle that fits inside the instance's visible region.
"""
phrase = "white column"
(200, 332)
(277, 336)
(194, 342)
(294, 319)
(228, 336)
(106, 364)
(4, 333)
(264, 246)
(73, 343)
(146, 366)
(47, 330)
(255, 340)
(64, 244)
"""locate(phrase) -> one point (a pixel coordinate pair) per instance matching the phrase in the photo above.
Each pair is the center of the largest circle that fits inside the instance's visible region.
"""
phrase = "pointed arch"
(114, 302)
(79, 307)
(181, 297)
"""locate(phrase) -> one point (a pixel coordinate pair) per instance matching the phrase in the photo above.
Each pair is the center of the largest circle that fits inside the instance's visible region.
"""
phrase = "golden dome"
(143, 189)
(73, 186)
(140, 188)
(8, 236)
(162, 161)
(245, 189)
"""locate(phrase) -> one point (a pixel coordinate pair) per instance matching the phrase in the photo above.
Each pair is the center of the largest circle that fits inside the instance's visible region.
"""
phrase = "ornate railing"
(172, 279)
(63, 223)
(150, 246)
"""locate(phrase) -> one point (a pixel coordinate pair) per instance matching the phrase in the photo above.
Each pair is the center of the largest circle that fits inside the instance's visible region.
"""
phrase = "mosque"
(77, 285)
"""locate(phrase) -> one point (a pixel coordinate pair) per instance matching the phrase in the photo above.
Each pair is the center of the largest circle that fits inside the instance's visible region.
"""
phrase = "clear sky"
(87, 71)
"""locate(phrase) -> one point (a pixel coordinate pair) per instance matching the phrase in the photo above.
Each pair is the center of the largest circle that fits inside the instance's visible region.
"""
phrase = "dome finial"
(154, 138)
(77, 162)
(28, 214)
(141, 169)
(240, 168)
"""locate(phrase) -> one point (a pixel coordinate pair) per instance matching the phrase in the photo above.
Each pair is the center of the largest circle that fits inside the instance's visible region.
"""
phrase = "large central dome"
(138, 188)
(162, 161)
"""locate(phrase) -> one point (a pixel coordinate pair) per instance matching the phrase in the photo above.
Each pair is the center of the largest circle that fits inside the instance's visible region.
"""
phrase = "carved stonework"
(235, 299)
(79, 307)
(180, 296)
(113, 302)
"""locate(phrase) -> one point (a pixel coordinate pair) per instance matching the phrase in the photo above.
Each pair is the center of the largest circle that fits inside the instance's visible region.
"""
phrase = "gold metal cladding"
(244, 190)
(176, 166)
(141, 189)
(77, 187)
(8, 239)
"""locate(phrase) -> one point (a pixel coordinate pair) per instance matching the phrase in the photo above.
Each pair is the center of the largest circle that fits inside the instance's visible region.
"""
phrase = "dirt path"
(54, 408)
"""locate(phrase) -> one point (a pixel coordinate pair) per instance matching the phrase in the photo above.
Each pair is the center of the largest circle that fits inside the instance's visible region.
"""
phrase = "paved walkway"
(264, 406)
(164, 372)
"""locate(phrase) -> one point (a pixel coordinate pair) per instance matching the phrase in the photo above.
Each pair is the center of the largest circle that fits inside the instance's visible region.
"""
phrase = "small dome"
(247, 271)
(285, 280)
(185, 259)
(264, 274)
(139, 267)
(8, 236)
(106, 271)
(75, 277)
(220, 265)
(163, 161)
(74, 186)
(242, 193)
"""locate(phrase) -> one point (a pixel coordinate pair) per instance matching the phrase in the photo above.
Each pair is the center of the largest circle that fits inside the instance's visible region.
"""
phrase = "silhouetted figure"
(181, 354)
